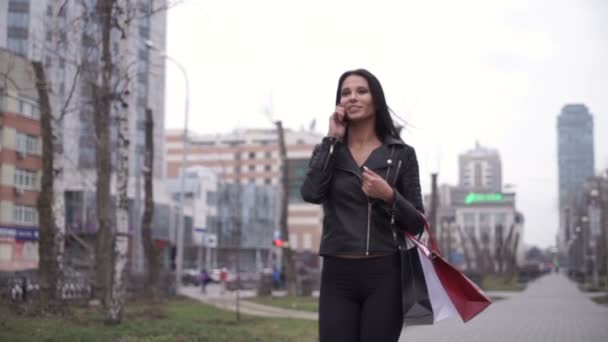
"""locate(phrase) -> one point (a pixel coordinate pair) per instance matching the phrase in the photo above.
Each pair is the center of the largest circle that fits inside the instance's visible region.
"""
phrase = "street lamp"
(182, 178)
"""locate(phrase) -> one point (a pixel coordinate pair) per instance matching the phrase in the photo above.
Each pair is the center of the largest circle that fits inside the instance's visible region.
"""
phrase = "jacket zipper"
(331, 150)
(395, 203)
(369, 222)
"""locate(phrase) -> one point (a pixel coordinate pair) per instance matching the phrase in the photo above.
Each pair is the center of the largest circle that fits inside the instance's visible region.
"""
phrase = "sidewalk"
(227, 301)
(551, 309)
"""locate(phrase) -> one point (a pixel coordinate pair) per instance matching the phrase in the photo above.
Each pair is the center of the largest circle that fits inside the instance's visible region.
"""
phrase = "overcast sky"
(497, 72)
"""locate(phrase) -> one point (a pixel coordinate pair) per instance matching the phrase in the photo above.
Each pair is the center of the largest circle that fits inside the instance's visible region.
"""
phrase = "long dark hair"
(383, 123)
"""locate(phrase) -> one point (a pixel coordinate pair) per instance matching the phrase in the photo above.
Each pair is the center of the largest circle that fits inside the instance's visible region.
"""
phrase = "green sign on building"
(474, 197)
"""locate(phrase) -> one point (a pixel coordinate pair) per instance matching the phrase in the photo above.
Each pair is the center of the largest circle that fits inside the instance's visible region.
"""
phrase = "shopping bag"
(417, 308)
(468, 299)
(441, 303)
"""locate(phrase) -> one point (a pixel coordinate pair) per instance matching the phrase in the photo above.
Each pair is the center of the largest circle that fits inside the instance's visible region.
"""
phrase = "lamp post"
(179, 243)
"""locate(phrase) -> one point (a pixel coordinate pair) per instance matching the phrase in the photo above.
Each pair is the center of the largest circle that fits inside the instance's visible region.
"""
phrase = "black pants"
(360, 300)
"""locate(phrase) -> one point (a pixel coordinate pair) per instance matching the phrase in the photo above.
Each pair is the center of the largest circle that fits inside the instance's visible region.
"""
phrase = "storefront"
(18, 248)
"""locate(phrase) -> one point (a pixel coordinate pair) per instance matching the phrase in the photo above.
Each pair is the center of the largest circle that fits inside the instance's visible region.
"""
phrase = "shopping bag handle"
(431, 250)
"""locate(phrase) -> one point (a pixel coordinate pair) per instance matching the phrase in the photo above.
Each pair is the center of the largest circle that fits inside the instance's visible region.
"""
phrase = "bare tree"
(120, 240)
(50, 201)
(499, 248)
(290, 269)
(102, 109)
(465, 251)
(479, 262)
(151, 251)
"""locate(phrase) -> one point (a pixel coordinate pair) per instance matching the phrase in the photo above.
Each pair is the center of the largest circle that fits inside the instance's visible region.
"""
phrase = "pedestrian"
(223, 279)
(367, 180)
(276, 279)
(204, 280)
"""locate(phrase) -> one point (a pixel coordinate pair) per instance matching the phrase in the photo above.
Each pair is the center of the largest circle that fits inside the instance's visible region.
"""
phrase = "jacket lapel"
(381, 157)
(345, 161)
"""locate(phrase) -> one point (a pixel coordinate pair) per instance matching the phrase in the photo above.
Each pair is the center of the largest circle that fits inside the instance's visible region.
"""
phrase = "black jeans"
(360, 300)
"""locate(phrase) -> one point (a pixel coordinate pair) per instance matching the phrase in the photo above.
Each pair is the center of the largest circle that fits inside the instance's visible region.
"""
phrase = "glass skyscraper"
(575, 160)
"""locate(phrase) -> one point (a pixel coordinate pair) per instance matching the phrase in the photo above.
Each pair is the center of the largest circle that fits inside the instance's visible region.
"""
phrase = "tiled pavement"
(551, 309)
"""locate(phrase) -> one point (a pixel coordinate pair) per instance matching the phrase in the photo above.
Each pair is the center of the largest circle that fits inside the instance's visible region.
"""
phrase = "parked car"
(191, 276)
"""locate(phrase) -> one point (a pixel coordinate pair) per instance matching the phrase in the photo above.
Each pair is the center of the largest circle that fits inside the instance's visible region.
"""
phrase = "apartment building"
(20, 164)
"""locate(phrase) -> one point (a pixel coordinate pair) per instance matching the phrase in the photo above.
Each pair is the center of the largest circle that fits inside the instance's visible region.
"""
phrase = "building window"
(26, 143)
(211, 198)
(252, 180)
(6, 251)
(267, 168)
(293, 241)
(26, 179)
(469, 224)
(251, 168)
(267, 181)
(28, 108)
(17, 46)
(25, 215)
(30, 251)
(296, 173)
(251, 155)
(500, 219)
(307, 241)
(268, 154)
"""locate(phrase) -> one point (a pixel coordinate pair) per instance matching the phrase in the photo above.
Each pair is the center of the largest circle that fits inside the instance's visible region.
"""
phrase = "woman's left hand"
(376, 187)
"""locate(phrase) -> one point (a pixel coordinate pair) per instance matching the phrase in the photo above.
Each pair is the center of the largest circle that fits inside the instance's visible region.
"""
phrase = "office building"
(575, 156)
(251, 156)
(480, 169)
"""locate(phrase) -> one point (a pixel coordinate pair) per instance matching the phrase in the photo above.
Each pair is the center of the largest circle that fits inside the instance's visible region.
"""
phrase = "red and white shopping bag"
(465, 296)
(440, 301)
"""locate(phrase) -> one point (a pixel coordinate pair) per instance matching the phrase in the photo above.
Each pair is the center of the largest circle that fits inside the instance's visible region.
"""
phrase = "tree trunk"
(290, 272)
(151, 287)
(50, 205)
(480, 265)
(120, 239)
(508, 251)
(499, 249)
(103, 100)
(513, 258)
(465, 251)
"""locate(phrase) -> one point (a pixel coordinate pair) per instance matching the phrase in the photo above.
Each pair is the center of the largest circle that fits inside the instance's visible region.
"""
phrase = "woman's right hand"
(337, 123)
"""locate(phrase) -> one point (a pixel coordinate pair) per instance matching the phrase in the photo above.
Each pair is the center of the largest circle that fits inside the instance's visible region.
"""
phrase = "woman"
(366, 178)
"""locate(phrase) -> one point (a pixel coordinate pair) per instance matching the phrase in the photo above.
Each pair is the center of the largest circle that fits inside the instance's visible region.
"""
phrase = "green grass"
(601, 299)
(492, 282)
(179, 320)
(294, 303)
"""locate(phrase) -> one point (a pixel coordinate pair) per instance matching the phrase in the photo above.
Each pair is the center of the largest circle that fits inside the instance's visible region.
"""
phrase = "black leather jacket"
(354, 224)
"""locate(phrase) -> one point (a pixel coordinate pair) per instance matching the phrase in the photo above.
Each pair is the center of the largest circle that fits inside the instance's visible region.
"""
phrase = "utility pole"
(287, 252)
